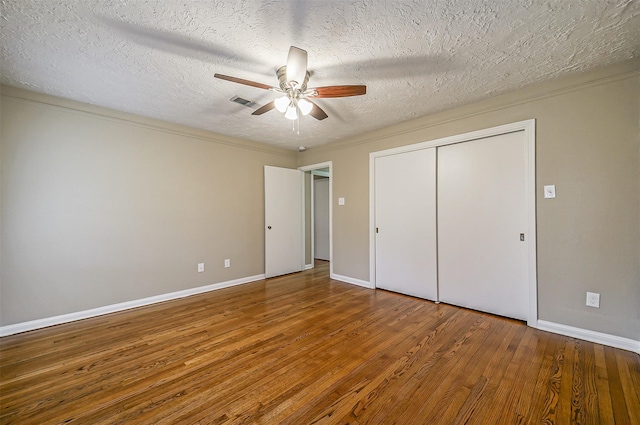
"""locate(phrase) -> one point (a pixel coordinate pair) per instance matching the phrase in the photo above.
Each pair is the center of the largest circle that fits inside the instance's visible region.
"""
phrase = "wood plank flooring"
(303, 349)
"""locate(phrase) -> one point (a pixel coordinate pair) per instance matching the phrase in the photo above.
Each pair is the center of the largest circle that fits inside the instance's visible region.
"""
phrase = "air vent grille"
(243, 102)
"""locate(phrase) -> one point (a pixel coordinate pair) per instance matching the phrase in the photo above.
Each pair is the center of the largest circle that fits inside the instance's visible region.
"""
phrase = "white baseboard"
(71, 317)
(585, 334)
(351, 280)
(592, 336)
(308, 266)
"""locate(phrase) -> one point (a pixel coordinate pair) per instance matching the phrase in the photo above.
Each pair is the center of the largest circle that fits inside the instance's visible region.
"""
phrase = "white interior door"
(283, 213)
(482, 261)
(321, 218)
(405, 220)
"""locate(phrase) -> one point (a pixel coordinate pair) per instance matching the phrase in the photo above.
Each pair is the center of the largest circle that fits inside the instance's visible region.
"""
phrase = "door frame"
(529, 129)
(312, 187)
(314, 168)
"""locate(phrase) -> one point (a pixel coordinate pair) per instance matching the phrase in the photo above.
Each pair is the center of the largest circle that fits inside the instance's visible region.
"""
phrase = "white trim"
(320, 173)
(312, 167)
(532, 233)
(372, 219)
(352, 280)
(308, 266)
(302, 223)
(486, 107)
(529, 128)
(592, 336)
(72, 317)
(79, 108)
(312, 219)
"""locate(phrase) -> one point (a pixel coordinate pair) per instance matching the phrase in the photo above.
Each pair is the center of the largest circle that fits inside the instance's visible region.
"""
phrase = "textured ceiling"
(157, 58)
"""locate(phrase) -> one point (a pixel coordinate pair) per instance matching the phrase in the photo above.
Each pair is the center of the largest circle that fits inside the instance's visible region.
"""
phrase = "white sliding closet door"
(482, 261)
(405, 218)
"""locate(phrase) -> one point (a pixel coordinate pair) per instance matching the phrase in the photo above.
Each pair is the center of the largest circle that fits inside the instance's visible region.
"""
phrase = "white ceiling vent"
(244, 102)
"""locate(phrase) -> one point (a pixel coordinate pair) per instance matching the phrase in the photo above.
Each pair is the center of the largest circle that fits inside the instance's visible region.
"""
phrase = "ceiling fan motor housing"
(291, 85)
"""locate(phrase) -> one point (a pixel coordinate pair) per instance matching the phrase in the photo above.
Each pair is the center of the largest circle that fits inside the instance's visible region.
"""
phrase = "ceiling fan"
(296, 96)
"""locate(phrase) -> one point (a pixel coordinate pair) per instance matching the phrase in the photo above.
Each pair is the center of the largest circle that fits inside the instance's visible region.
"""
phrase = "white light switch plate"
(550, 191)
(340, 201)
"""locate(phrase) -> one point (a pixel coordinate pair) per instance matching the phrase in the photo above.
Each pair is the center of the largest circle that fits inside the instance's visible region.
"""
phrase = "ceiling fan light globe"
(282, 103)
(305, 106)
(292, 113)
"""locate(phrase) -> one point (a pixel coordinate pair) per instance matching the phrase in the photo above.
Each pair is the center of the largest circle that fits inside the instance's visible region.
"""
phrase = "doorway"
(320, 217)
(318, 214)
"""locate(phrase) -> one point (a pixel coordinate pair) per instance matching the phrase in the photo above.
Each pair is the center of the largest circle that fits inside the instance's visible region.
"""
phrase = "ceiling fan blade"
(296, 65)
(241, 81)
(266, 108)
(317, 112)
(339, 91)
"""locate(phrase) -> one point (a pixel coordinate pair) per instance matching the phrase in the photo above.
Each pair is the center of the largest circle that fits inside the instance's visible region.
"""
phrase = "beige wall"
(588, 145)
(101, 207)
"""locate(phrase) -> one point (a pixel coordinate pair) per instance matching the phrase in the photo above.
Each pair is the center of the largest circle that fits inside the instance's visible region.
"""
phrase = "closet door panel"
(482, 261)
(405, 218)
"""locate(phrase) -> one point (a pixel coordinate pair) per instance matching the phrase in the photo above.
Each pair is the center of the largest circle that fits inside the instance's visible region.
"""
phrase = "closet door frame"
(528, 127)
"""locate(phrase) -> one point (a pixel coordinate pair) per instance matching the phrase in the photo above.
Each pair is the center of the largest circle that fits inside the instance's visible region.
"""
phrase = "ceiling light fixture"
(305, 106)
(295, 96)
(282, 103)
(293, 105)
(292, 111)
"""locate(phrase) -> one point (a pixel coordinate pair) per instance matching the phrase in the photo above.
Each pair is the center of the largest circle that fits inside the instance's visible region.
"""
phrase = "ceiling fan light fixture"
(282, 103)
(292, 112)
(305, 106)
(293, 91)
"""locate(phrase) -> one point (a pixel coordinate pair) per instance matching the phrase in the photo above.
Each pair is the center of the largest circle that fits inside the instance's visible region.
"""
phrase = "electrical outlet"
(550, 191)
(593, 299)
(227, 263)
(200, 267)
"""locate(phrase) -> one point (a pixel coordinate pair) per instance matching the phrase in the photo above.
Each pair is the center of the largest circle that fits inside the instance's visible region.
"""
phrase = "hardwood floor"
(302, 349)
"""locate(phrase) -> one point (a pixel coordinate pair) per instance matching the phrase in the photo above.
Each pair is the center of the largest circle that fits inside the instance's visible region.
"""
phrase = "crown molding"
(15, 94)
(537, 92)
